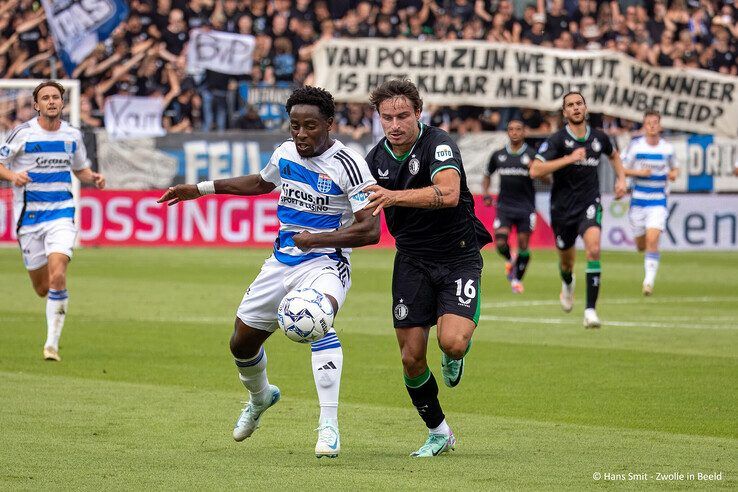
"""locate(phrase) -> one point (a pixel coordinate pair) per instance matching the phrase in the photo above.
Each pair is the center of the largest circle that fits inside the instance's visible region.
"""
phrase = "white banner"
(134, 117)
(78, 25)
(492, 74)
(220, 52)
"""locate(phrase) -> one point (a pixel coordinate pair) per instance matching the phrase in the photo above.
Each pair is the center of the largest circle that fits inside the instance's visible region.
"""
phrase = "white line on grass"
(621, 300)
(633, 324)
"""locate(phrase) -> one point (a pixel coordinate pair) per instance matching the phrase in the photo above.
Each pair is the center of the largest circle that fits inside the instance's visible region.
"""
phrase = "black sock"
(565, 276)
(593, 282)
(521, 263)
(423, 391)
(502, 247)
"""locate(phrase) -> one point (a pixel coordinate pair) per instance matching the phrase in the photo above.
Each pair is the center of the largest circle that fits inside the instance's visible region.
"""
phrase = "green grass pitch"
(147, 393)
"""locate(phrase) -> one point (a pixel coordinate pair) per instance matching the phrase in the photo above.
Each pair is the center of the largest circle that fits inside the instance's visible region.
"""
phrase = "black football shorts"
(424, 290)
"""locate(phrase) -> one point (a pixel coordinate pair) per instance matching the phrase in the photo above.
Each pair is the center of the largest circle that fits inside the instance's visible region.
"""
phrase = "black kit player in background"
(516, 201)
(421, 186)
(572, 155)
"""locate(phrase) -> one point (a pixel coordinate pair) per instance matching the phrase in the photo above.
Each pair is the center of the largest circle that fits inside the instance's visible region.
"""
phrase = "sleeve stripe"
(540, 158)
(449, 166)
(15, 132)
(350, 171)
(353, 165)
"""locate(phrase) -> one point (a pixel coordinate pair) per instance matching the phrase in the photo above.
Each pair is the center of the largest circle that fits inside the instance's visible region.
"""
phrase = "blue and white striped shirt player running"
(650, 191)
(45, 203)
(648, 201)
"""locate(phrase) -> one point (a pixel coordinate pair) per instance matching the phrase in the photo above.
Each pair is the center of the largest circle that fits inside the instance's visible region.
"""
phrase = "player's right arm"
(253, 184)
(8, 152)
(548, 159)
(628, 159)
(486, 180)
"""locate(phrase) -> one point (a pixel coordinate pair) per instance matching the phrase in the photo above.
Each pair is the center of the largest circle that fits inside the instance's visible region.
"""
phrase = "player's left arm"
(81, 166)
(363, 232)
(365, 229)
(88, 176)
(673, 173)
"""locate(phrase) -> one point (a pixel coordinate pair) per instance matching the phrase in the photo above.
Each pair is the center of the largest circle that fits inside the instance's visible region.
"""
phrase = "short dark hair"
(515, 120)
(48, 83)
(571, 93)
(396, 88)
(313, 96)
(652, 112)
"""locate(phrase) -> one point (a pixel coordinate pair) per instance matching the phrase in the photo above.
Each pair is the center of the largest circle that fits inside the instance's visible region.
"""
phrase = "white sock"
(327, 362)
(442, 428)
(651, 265)
(252, 373)
(56, 311)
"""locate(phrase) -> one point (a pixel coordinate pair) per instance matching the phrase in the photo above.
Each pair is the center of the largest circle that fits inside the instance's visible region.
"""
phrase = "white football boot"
(249, 419)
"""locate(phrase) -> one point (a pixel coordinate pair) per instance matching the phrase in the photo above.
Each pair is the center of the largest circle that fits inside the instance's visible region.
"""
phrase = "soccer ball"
(305, 315)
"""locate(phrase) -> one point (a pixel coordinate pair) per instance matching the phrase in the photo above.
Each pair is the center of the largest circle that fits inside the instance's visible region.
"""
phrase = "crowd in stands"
(145, 56)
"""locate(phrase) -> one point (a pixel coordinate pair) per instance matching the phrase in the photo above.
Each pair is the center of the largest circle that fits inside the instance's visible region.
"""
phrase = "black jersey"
(577, 185)
(435, 234)
(517, 196)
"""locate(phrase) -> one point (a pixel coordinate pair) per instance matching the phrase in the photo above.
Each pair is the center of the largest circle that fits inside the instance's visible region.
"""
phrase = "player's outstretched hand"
(578, 155)
(379, 198)
(20, 179)
(98, 180)
(620, 188)
(179, 193)
(488, 200)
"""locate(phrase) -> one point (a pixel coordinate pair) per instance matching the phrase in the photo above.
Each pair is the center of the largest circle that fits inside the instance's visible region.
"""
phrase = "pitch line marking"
(621, 300)
(629, 324)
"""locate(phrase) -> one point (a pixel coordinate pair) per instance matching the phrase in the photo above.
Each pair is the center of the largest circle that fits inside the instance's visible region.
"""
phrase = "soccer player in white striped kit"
(649, 160)
(38, 157)
(321, 214)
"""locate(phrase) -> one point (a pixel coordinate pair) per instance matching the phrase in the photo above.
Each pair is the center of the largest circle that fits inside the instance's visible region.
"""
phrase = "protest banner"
(504, 75)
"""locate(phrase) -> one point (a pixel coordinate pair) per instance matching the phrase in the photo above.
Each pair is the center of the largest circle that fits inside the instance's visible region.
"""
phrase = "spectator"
(354, 121)
(283, 60)
(250, 120)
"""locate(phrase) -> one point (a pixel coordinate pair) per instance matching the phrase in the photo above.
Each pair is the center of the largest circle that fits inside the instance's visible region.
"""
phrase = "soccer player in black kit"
(516, 202)
(572, 155)
(421, 186)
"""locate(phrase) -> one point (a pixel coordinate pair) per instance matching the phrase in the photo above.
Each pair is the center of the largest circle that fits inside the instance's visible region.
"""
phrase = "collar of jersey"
(584, 139)
(404, 156)
(522, 149)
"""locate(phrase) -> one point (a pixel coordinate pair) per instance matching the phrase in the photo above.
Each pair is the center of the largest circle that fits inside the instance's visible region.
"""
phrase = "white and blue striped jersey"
(659, 158)
(317, 194)
(48, 158)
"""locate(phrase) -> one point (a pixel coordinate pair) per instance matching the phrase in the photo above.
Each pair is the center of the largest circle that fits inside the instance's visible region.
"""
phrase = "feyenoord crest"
(503, 157)
(324, 183)
(525, 159)
(596, 145)
(414, 165)
(401, 311)
(68, 147)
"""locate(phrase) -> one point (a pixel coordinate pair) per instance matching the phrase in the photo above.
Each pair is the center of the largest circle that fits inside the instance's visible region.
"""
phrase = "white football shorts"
(56, 236)
(258, 308)
(642, 218)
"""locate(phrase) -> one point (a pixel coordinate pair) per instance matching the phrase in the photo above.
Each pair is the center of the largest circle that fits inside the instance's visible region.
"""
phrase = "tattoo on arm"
(437, 200)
